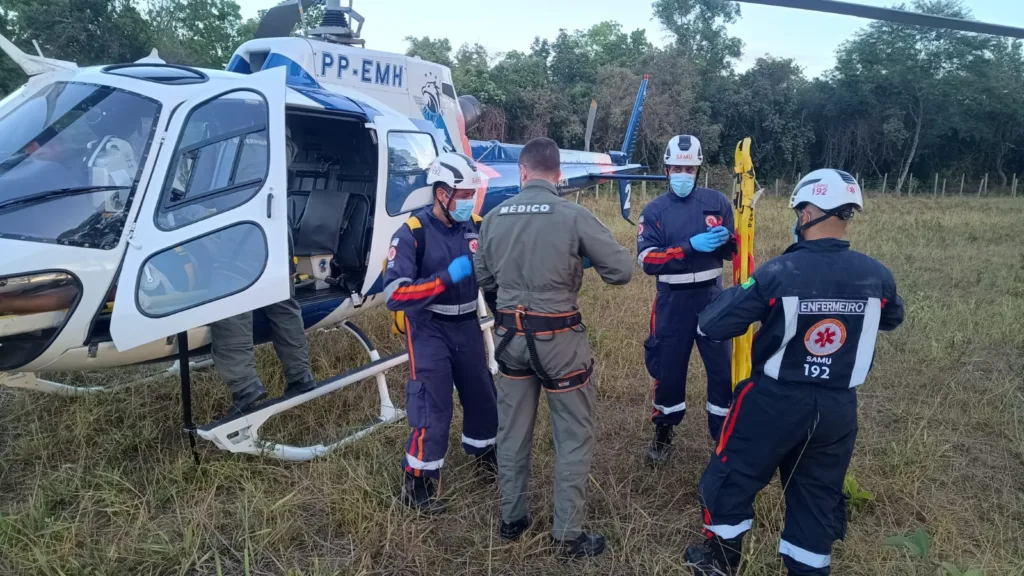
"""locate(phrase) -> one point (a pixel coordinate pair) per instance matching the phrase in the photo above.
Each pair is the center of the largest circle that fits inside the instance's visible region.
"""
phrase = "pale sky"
(808, 37)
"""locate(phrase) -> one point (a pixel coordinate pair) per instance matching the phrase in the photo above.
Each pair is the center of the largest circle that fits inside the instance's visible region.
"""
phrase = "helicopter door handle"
(270, 204)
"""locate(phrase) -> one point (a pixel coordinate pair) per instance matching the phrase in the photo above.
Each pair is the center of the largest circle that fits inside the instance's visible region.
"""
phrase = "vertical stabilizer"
(627, 145)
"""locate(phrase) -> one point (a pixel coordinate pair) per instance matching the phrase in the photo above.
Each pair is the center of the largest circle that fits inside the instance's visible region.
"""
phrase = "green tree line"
(196, 32)
(900, 101)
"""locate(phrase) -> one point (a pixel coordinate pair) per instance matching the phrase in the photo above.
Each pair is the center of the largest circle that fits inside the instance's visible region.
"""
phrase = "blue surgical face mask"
(681, 184)
(463, 209)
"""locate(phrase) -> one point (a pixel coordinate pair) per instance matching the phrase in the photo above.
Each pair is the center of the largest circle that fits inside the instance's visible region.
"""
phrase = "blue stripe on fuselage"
(297, 75)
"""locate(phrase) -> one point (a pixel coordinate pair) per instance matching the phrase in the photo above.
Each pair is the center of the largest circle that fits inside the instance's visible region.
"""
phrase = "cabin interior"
(332, 186)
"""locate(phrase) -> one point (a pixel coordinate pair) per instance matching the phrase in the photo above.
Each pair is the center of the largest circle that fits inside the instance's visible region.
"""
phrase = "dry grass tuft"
(105, 485)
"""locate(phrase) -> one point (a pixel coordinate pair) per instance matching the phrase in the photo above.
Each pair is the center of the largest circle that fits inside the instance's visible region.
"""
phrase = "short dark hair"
(540, 155)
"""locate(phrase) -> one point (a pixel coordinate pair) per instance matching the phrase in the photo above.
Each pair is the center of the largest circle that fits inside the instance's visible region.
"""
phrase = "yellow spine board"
(743, 261)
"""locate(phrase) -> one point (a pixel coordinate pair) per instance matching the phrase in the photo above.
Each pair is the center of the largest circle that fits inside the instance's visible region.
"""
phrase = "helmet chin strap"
(444, 206)
(843, 212)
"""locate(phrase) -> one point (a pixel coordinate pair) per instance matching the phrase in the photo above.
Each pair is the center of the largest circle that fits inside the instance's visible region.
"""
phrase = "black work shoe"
(300, 386)
(244, 399)
(583, 545)
(487, 464)
(513, 530)
(661, 445)
(421, 494)
(715, 556)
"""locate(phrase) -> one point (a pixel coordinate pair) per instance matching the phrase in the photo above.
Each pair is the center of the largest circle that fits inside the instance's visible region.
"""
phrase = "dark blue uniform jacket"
(664, 231)
(820, 305)
(428, 289)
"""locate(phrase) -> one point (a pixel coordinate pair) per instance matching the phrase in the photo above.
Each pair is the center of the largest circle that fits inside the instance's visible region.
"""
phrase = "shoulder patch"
(478, 219)
(413, 223)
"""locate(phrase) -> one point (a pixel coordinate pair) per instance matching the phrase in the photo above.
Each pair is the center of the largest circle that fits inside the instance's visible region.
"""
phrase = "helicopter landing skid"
(31, 381)
(240, 434)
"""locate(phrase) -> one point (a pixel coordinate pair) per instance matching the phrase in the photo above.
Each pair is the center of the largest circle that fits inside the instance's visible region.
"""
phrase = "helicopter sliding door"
(211, 238)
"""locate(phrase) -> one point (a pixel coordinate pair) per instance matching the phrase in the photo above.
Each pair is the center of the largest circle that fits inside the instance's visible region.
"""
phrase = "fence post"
(962, 176)
(706, 172)
(776, 186)
(597, 191)
(935, 188)
(981, 185)
(1013, 189)
(943, 186)
(884, 182)
(643, 188)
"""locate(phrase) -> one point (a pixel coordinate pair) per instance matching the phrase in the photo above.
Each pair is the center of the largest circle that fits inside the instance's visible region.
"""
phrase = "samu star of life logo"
(713, 220)
(473, 245)
(825, 337)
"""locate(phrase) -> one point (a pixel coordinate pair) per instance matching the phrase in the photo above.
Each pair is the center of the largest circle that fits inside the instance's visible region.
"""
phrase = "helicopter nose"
(33, 310)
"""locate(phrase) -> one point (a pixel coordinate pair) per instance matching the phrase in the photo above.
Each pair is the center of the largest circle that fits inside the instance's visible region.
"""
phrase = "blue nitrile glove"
(587, 263)
(711, 240)
(460, 269)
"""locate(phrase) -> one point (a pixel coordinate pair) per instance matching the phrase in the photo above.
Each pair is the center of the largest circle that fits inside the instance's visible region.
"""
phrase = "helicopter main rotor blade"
(894, 15)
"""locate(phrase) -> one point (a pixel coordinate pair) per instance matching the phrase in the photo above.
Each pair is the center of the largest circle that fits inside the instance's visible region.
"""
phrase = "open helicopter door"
(211, 237)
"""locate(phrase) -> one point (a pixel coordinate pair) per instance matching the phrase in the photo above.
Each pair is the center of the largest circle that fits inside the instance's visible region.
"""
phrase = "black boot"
(715, 556)
(513, 530)
(242, 400)
(487, 465)
(583, 545)
(661, 445)
(421, 494)
(300, 386)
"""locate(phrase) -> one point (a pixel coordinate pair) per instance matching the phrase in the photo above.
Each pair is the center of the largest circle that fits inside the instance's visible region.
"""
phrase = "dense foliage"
(903, 101)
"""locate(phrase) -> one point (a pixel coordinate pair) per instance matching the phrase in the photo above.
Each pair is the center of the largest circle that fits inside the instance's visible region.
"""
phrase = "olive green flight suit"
(531, 253)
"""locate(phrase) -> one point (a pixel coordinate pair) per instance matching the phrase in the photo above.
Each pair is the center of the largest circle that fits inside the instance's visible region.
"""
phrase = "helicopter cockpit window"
(409, 156)
(70, 158)
(221, 160)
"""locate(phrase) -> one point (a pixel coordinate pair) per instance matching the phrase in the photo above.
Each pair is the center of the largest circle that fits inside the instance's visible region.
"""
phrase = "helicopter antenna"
(336, 25)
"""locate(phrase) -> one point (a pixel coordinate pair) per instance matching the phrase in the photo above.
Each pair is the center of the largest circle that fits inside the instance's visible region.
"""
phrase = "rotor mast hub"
(337, 25)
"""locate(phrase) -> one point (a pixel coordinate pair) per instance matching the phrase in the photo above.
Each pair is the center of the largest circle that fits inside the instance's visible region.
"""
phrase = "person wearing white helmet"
(683, 237)
(429, 279)
(820, 305)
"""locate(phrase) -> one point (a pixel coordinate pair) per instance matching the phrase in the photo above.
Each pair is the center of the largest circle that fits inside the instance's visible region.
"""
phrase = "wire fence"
(939, 185)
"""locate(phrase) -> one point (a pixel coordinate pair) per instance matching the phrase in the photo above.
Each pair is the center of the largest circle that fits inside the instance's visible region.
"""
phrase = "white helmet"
(684, 150)
(829, 190)
(456, 171)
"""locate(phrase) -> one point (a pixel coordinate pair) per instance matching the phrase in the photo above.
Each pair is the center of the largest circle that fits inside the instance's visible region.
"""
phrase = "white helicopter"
(140, 202)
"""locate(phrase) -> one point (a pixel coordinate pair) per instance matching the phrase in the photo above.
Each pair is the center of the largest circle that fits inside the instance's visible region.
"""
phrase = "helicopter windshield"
(87, 139)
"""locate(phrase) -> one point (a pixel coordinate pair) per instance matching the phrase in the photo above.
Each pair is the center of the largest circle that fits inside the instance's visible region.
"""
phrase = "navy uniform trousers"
(444, 350)
(667, 354)
(807, 433)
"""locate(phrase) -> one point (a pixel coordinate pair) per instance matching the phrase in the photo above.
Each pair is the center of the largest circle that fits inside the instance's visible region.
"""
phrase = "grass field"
(106, 485)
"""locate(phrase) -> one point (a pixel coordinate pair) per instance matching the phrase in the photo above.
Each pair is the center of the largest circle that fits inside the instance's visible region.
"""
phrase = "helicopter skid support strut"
(241, 434)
